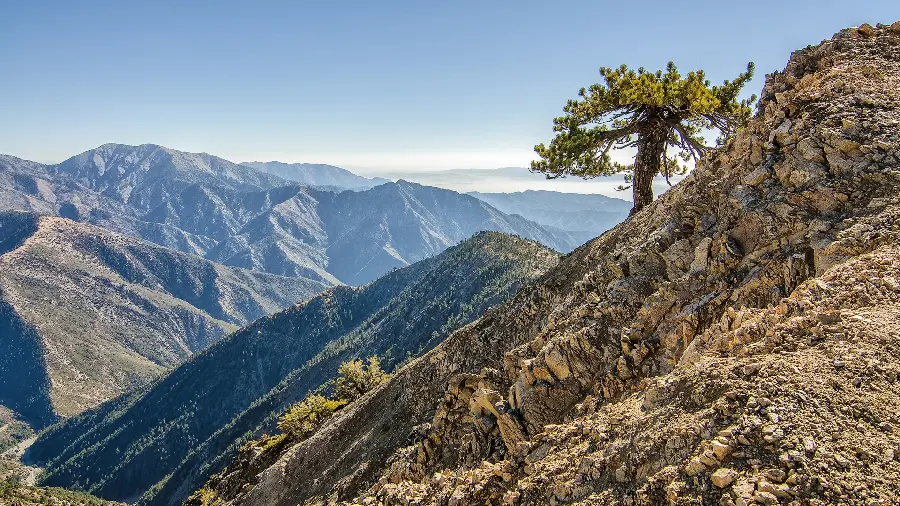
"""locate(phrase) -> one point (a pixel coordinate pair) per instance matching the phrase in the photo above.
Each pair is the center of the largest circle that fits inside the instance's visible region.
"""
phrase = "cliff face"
(734, 342)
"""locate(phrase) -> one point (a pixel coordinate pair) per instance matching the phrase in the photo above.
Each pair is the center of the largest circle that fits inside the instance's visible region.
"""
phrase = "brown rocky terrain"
(734, 343)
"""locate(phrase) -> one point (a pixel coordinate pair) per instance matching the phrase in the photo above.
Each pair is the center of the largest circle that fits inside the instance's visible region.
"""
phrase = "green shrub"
(306, 416)
(355, 379)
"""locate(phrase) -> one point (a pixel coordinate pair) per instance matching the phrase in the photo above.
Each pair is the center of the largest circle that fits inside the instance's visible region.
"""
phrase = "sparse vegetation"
(13, 493)
(188, 303)
(355, 379)
(12, 430)
(306, 416)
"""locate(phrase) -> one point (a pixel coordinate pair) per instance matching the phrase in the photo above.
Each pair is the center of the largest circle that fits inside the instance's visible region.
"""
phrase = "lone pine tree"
(662, 114)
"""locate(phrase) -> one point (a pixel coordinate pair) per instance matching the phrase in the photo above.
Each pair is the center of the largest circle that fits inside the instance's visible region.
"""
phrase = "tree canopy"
(662, 114)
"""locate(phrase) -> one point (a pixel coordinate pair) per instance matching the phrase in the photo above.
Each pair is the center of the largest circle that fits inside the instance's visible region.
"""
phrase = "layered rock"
(733, 343)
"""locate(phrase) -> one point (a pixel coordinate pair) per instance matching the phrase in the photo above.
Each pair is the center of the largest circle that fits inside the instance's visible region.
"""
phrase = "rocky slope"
(238, 216)
(87, 314)
(318, 174)
(169, 438)
(734, 343)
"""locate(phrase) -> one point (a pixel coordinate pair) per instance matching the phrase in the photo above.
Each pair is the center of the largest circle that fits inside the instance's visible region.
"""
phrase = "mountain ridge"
(275, 361)
(318, 174)
(131, 167)
(122, 310)
(235, 215)
(584, 215)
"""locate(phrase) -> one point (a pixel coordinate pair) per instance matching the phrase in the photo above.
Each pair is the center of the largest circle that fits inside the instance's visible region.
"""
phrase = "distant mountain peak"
(317, 174)
(240, 216)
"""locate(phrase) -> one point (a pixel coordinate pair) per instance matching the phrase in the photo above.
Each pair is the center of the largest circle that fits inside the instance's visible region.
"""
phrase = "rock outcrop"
(734, 343)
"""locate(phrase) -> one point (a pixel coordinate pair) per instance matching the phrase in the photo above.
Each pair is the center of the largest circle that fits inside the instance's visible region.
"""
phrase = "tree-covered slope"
(88, 314)
(128, 445)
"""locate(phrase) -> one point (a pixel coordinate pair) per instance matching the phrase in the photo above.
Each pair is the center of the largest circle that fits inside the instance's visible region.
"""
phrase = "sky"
(378, 87)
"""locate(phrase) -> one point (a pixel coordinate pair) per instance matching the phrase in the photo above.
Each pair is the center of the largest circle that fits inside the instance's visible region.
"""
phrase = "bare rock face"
(735, 343)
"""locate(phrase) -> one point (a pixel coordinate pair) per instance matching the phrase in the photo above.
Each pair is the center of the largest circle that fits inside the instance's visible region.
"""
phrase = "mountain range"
(521, 179)
(166, 440)
(318, 174)
(154, 254)
(238, 216)
(734, 342)
(87, 314)
(584, 215)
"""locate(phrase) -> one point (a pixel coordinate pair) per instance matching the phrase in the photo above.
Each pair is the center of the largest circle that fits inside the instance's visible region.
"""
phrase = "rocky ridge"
(734, 343)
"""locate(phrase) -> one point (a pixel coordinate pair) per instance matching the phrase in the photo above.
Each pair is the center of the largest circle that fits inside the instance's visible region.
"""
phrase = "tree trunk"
(646, 166)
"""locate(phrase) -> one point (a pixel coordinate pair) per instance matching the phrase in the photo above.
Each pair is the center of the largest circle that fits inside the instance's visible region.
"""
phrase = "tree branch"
(697, 149)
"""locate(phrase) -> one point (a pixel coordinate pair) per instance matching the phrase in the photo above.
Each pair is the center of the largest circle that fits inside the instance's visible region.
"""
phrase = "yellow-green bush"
(306, 416)
(355, 379)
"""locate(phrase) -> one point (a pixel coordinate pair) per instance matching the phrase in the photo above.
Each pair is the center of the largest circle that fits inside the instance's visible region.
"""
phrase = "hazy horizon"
(508, 179)
(399, 86)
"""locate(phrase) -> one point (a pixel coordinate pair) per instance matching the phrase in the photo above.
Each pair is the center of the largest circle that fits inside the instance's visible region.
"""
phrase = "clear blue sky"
(370, 85)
